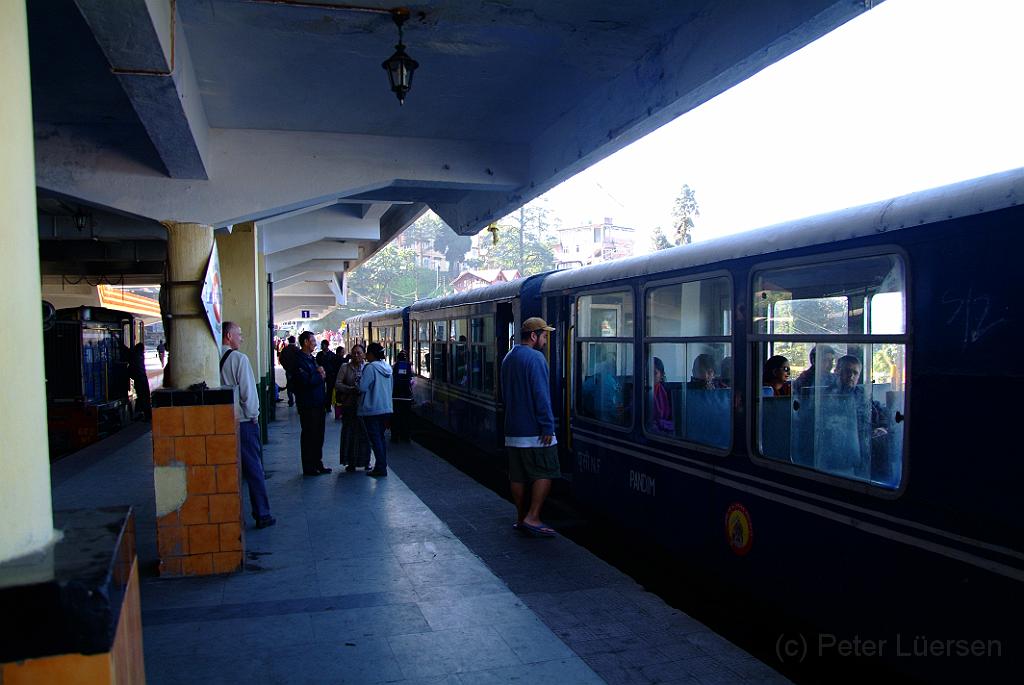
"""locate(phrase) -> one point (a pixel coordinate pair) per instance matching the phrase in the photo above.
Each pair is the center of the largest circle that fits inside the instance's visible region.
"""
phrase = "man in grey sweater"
(235, 370)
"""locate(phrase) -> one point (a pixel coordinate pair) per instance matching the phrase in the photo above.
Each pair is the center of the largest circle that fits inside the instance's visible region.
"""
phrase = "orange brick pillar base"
(80, 621)
(196, 478)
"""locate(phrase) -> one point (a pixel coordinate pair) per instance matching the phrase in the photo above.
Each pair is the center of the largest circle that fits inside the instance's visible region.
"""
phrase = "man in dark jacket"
(329, 361)
(308, 379)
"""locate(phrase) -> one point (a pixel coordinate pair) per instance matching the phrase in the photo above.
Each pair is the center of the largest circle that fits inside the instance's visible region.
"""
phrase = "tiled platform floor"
(414, 579)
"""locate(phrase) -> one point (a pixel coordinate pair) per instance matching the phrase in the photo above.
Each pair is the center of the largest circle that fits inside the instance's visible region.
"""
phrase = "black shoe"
(377, 473)
(350, 469)
(266, 522)
(323, 470)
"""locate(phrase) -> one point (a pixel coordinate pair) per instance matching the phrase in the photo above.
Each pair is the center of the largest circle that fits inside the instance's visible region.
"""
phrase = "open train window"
(421, 347)
(604, 353)
(829, 345)
(688, 355)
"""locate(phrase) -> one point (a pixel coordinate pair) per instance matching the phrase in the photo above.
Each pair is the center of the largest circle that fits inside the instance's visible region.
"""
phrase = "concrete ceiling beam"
(257, 174)
(323, 249)
(311, 266)
(335, 222)
(147, 51)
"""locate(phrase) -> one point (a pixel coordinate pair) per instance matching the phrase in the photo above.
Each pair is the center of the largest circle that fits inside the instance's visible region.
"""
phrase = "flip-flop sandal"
(541, 531)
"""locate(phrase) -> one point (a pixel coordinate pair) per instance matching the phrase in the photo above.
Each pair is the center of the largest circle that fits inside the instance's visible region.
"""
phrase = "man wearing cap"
(529, 425)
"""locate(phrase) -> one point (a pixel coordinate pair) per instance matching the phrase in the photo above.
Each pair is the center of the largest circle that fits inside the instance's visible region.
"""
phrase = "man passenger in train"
(529, 425)
(818, 375)
(848, 370)
(872, 418)
(704, 377)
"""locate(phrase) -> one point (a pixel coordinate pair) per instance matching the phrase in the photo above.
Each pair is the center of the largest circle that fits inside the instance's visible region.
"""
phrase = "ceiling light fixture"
(400, 66)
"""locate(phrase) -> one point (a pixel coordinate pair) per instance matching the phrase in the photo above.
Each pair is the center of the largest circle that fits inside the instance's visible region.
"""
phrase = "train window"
(481, 354)
(830, 351)
(604, 351)
(460, 353)
(688, 353)
(421, 347)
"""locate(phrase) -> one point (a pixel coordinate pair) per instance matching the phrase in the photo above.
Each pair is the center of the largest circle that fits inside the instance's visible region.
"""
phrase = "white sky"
(910, 95)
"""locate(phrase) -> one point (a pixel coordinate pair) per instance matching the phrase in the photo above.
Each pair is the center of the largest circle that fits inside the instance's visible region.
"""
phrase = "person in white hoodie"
(375, 387)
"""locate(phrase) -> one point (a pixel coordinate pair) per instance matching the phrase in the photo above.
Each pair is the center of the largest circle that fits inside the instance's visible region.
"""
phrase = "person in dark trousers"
(236, 371)
(161, 351)
(308, 379)
(288, 357)
(137, 372)
(529, 425)
(375, 389)
(329, 361)
(401, 398)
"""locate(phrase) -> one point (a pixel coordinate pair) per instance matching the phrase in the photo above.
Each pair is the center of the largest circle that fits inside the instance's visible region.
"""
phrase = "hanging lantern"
(400, 66)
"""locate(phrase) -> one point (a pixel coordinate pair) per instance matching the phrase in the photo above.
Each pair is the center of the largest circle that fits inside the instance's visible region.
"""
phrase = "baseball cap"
(535, 323)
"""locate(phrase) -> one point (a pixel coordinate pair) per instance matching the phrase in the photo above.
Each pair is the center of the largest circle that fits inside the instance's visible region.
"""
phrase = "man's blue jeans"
(375, 432)
(252, 468)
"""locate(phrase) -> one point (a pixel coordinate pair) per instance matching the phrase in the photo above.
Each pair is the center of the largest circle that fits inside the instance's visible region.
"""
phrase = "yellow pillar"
(25, 505)
(264, 314)
(195, 355)
(238, 266)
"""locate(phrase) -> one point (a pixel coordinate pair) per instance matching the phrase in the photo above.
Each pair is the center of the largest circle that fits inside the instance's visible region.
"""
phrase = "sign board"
(213, 295)
(305, 313)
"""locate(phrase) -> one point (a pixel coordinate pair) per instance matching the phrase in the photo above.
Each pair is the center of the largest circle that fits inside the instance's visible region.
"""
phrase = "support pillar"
(194, 353)
(25, 504)
(266, 372)
(243, 296)
(195, 434)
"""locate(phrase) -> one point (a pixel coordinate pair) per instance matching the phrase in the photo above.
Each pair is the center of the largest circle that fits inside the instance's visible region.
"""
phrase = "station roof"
(278, 111)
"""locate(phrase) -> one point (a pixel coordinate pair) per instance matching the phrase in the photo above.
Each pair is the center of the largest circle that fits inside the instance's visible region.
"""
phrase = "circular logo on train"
(738, 529)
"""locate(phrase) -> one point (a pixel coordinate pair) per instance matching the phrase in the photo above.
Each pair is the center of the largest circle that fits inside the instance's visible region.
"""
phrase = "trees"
(684, 210)
(525, 242)
(658, 239)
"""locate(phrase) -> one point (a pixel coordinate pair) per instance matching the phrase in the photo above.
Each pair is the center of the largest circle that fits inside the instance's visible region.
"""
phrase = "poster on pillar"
(213, 295)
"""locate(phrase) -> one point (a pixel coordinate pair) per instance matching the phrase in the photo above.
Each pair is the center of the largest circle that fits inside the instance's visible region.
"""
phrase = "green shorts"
(532, 463)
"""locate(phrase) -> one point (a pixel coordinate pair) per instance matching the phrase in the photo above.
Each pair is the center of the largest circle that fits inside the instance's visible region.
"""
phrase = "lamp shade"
(400, 68)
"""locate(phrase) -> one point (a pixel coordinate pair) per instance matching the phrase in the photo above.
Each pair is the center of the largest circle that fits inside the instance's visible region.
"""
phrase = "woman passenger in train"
(704, 377)
(662, 402)
(776, 376)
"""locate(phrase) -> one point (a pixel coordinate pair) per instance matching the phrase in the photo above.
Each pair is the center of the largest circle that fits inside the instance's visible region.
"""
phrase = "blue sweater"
(524, 386)
(375, 386)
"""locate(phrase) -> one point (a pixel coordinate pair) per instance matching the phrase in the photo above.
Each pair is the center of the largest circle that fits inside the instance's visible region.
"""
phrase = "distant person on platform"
(288, 357)
(401, 398)
(137, 372)
(235, 370)
(529, 425)
(340, 360)
(375, 387)
(329, 361)
(308, 379)
(161, 351)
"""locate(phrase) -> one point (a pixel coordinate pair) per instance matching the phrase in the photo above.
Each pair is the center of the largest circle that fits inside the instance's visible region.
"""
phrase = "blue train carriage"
(456, 346)
(386, 327)
(88, 390)
(880, 492)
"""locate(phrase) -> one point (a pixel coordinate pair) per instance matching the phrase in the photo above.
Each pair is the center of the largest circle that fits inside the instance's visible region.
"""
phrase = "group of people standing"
(366, 392)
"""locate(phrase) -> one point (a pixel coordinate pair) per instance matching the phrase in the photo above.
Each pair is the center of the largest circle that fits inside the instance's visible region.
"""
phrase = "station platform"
(416, 578)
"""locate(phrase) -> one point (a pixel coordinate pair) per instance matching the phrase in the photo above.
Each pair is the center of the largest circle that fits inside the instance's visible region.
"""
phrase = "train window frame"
(579, 340)
(755, 340)
(646, 340)
(482, 345)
